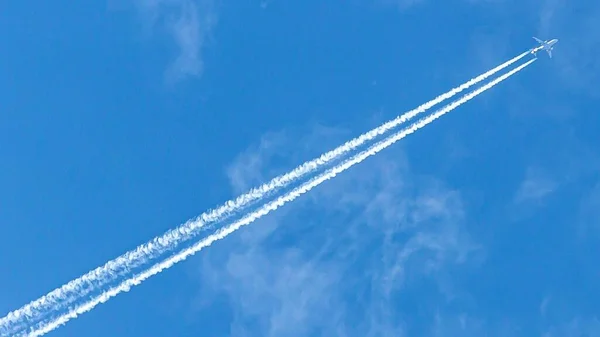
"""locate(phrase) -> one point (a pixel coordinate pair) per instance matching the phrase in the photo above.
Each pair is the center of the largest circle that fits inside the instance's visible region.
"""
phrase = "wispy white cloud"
(555, 164)
(189, 24)
(255, 164)
(338, 261)
(560, 316)
(537, 185)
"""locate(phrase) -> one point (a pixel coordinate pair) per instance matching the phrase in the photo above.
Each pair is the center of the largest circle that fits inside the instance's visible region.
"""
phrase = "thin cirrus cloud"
(189, 24)
(537, 185)
(379, 220)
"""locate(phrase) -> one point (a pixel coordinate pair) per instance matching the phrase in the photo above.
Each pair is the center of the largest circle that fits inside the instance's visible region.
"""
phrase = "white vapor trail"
(70, 292)
(49, 325)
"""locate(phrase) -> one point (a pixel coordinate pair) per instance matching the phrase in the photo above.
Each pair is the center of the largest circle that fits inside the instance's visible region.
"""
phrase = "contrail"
(49, 325)
(61, 297)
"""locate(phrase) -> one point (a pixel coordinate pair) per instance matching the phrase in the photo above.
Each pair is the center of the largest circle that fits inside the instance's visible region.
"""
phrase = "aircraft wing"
(538, 40)
(549, 52)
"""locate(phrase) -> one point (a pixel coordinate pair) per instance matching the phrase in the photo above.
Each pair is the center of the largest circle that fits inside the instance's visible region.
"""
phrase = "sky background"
(122, 119)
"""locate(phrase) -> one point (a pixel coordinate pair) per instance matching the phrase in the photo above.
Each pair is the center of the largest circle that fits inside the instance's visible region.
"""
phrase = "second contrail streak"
(51, 324)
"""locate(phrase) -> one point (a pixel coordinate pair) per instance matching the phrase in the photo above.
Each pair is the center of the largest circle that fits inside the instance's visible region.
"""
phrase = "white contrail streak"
(61, 297)
(47, 326)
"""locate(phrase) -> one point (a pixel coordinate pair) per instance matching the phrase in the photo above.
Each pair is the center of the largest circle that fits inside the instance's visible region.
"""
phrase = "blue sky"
(122, 119)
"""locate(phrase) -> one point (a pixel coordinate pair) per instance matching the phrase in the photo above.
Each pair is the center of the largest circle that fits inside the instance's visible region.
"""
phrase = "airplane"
(544, 45)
